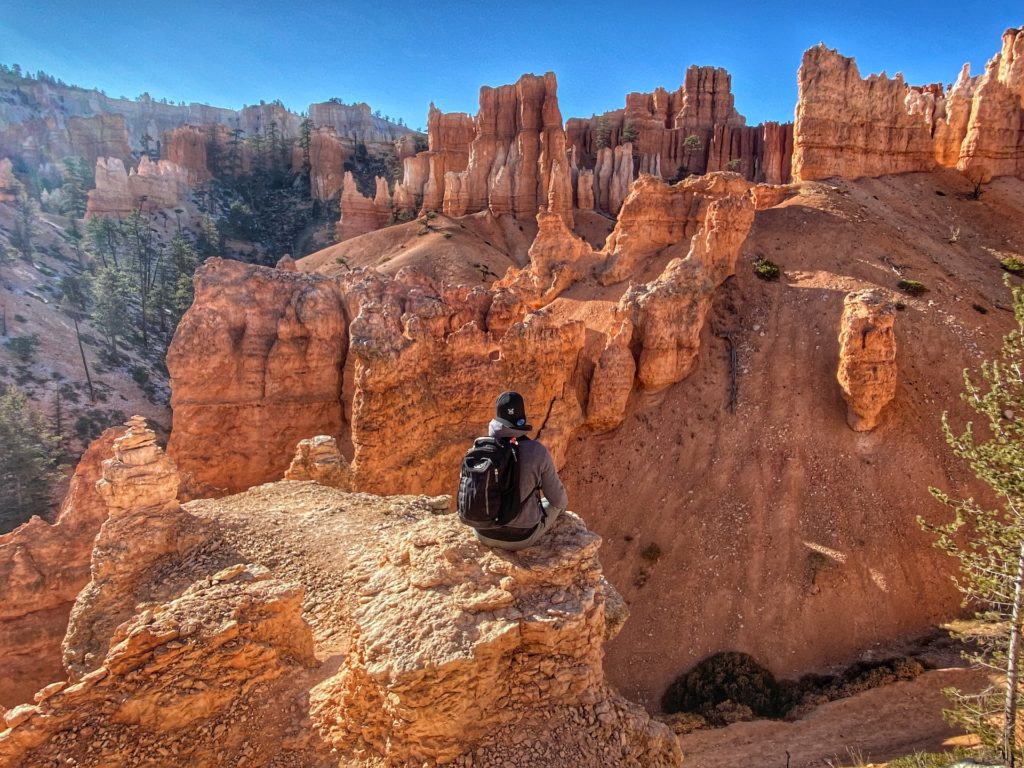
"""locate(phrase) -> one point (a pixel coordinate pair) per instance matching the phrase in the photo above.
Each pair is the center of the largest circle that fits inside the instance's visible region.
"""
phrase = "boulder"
(867, 357)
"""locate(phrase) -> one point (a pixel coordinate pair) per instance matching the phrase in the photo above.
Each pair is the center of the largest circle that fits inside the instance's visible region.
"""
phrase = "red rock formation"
(656, 215)
(415, 347)
(848, 127)
(144, 524)
(318, 459)
(327, 157)
(149, 187)
(186, 147)
(170, 685)
(668, 314)
(359, 214)
(269, 374)
(612, 381)
(42, 569)
(867, 357)
(510, 159)
(442, 654)
(994, 144)
(97, 137)
(701, 107)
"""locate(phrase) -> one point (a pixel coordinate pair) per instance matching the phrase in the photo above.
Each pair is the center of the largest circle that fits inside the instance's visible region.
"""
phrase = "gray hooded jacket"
(536, 473)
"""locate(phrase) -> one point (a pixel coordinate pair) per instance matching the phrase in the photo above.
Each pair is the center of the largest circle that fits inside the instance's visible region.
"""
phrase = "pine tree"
(989, 543)
(28, 460)
(23, 235)
(110, 305)
(74, 187)
(603, 133)
(629, 134)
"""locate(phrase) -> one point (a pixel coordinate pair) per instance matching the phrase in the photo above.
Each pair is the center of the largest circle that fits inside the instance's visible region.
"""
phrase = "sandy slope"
(782, 532)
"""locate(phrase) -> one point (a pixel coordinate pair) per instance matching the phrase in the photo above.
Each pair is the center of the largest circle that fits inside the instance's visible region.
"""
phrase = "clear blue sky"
(398, 56)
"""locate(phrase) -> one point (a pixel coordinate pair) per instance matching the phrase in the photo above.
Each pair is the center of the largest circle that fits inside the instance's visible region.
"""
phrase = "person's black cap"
(511, 411)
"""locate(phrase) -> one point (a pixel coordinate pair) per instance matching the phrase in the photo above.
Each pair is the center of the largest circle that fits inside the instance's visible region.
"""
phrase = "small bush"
(651, 552)
(20, 318)
(979, 309)
(141, 375)
(730, 677)
(900, 306)
(912, 287)
(766, 270)
(1013, 265)
(23, 347)
(423, 231)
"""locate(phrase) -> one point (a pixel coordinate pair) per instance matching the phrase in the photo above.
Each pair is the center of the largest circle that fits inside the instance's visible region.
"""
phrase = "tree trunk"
(88, 378)
(1012, 671)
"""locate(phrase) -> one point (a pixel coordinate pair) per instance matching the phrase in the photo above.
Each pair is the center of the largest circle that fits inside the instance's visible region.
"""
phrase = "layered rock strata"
(148, 187)
(867, 357)
(43, 567)
(377, 361)
(169, 688)
(851, 127)
(452, 653)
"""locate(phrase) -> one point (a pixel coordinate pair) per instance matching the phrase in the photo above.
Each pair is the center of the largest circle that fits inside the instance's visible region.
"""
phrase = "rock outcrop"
(270, 374)
(265, 358)
(175, 681)
(43, 567)
(994, 142)
(668, 313)
(451, 652)
(360, 214)
(149, 187)
(144, 525)
(453, 655)
(356, 122)
(187, 148)
(510, 159)
(851, 127)
(867, 357)
(318, 459)
(327, 157)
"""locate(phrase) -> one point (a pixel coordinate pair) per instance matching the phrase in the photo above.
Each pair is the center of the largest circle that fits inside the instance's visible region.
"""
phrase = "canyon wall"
(851, 127)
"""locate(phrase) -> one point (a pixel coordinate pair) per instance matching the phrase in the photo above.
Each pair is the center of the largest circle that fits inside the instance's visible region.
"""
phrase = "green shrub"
(1013, 265)
(651, 552)
(766, 270)
(912, 287)
(23, 347)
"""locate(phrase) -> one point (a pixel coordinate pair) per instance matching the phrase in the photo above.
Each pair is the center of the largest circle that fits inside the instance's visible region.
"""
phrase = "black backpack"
(489, 483)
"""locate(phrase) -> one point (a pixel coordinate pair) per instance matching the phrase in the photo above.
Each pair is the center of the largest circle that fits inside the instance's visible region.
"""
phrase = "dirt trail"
(875, 726)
